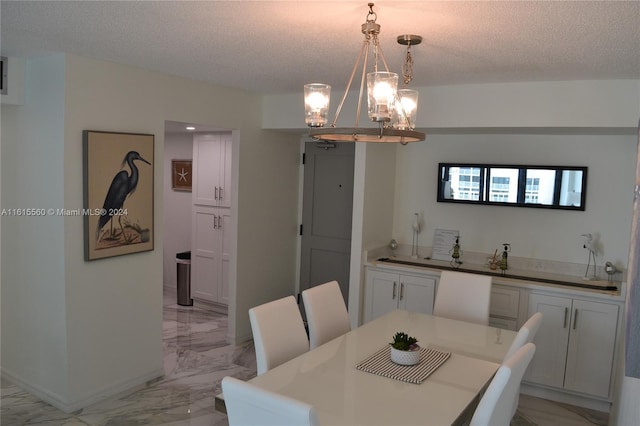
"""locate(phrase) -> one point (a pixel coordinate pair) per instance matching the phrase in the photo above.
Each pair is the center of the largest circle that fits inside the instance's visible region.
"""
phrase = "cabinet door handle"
(215, 222)
(219, 222)
(394, 290)
(215, 190)
(566, 316)
(401, 290)
(220, 192)
(575, 318)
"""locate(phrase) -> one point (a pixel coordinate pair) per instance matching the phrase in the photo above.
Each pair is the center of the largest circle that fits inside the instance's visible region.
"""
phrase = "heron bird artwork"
(122, 186)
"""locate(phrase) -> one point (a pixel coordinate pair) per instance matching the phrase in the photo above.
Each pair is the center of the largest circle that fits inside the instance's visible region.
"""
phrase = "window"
(520, 186)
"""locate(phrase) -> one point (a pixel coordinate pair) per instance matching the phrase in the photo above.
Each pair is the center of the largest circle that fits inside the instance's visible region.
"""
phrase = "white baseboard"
(211, 306)
(120, 388)
(566, 398)
(44, 394)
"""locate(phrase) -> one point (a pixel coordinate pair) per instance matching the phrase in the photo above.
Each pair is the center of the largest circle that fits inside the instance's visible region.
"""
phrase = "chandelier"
(393, 110)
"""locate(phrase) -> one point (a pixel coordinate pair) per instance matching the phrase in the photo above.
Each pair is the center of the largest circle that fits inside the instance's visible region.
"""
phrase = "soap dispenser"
(504, 264)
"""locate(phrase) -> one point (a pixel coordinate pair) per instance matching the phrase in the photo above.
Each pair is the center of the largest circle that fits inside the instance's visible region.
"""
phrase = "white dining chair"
(249, 405)
(327, 315)
(495, 406)
(463, 296)
(526, 334)
(278, 333)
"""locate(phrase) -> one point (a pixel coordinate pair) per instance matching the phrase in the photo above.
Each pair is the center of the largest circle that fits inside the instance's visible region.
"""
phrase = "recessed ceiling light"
(190, 128)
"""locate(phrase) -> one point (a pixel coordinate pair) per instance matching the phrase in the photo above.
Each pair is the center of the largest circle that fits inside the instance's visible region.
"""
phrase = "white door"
(548, 364)
(208, 157)
(204, 254)
(381, 294)
(416, 294)
(591, 347)
(326, 216)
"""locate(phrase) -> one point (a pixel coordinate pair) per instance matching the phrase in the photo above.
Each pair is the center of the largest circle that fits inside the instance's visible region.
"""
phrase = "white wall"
(533, 233)
(267, 221)
(105, 316)
(585, 104)
(379, 195)
(627, 408)
(34, 334)
(177, 207)
(372, 225)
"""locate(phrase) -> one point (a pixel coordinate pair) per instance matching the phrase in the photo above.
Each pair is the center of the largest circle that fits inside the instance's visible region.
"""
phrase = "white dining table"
(327, 378)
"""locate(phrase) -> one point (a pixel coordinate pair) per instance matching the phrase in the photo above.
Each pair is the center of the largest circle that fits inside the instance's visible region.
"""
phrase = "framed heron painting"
(118, 193)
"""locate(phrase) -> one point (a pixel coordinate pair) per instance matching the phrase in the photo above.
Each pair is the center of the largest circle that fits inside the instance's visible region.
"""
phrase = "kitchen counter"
(511, 275)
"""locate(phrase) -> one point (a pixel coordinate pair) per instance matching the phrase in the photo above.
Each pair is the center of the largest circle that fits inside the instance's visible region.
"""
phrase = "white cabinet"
(210, 254)
(574, 345)
(386, 291)
(212, 170)
(211, 218)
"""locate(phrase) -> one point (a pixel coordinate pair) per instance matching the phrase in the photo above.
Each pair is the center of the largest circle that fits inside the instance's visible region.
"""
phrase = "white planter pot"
(405, 357)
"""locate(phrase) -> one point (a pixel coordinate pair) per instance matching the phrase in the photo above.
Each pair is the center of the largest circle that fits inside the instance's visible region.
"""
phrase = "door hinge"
(300, 229)
(304, 158)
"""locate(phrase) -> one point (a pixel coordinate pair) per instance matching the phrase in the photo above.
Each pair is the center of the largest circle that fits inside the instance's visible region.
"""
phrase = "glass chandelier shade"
(387, 106)
(316, 104)
(381, 90)
(406, 110)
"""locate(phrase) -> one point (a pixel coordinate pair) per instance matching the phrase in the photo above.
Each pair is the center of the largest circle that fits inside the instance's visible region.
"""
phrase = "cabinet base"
(565, 397)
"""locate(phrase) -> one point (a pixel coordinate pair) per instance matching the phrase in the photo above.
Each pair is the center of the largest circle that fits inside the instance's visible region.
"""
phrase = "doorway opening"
(193, 221)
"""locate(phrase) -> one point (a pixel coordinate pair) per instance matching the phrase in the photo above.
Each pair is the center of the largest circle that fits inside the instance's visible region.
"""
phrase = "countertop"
(510, 276)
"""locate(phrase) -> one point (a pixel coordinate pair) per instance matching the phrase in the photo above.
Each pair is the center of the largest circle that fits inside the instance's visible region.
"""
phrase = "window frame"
(486, 181)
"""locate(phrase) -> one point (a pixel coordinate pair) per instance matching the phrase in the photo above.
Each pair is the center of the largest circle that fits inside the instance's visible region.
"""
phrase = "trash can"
(183, 261)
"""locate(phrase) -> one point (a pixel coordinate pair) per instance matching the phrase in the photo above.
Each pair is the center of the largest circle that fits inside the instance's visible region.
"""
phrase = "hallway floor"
(196, 358)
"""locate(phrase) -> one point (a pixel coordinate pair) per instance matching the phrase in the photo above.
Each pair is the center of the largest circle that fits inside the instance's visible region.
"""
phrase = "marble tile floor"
(196, 358)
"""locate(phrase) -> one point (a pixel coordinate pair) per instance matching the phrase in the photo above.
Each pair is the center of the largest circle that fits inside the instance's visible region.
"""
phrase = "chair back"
(327, 315)
(526, 334)
(249, 405)
(495, 407)
(463, 296)
(278, 333)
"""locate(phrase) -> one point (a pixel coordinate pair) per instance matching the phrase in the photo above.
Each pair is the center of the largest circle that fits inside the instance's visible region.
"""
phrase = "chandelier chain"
(371, 14)
(376, 52)
(407, 67)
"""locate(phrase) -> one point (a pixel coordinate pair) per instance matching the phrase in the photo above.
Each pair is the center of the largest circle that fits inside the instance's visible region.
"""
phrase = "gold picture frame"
(181, 175)
(118, 193)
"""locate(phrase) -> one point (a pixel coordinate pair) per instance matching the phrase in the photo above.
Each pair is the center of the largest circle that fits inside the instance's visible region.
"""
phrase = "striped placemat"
(380, 363)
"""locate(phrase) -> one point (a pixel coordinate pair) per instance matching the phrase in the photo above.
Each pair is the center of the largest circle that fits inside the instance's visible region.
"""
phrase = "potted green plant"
(405, 349)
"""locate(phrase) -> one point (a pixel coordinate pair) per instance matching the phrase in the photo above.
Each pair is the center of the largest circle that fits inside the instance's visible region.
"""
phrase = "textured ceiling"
(276, 46)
